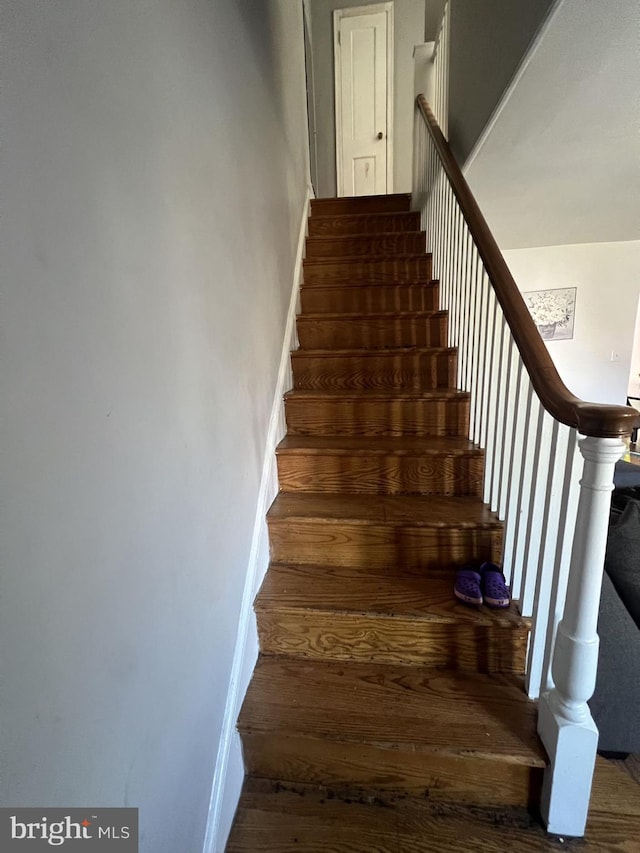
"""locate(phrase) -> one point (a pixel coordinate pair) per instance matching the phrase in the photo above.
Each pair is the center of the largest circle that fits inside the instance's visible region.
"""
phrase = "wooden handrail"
(596, 419)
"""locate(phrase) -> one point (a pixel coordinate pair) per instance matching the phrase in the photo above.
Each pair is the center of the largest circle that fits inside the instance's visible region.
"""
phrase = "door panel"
(362, 108)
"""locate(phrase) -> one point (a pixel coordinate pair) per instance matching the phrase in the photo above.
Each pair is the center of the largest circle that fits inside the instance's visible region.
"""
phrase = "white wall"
(434, 9)
(408, 23)
(634, 371)
(607, 278)
(154, 175)
(552, 169)
(488, 41)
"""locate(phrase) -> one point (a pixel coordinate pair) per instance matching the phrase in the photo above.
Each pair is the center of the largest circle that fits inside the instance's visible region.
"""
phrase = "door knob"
(380, 135)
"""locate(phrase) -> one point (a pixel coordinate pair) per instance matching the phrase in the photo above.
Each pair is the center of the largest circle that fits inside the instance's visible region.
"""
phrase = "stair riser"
(381, 475)
(398, 549)
(377, 417)
(407, 270)
(320, 226)
(357, 766)
(370, 204)
(376, 298)
(357, 246)
(406, 372)
(395, 640)
(372, 332)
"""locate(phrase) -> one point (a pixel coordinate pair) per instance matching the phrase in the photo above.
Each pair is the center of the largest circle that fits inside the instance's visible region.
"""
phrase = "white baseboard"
(229, 769)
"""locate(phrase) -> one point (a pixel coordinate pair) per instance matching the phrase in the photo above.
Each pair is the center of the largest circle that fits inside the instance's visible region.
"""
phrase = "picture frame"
(553, 311)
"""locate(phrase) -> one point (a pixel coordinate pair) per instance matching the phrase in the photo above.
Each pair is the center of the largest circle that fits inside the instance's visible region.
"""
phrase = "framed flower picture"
(553, 312)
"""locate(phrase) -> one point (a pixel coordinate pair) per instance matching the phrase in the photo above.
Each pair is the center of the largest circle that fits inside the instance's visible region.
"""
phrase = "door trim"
(354, 11)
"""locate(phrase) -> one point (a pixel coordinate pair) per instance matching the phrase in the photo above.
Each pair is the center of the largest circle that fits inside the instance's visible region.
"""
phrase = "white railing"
(532, 430)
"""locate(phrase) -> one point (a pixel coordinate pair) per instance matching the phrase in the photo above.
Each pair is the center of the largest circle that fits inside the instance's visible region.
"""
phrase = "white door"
(363, 42)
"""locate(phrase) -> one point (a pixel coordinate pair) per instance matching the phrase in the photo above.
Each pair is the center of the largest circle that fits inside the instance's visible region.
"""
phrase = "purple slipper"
(467, 587)
(494, 586)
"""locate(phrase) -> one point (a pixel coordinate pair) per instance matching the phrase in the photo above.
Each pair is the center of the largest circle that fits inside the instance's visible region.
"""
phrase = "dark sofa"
(615, 705)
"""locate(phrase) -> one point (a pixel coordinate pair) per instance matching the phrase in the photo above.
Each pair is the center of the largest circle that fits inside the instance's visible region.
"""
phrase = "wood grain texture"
(613, 791)
(328, 466)
(397, 640)
(403, 369)
(392, 510)
(399, 533)
(417, 709)
(369, 245)
(366, 298)
(372, 676)
(377, 767)
(436, 413)
(393, 203)
(372, 331)
(342, 614)
(362, 589)
(400, 549)
(280, 817)
(397, 268)
(367, 223)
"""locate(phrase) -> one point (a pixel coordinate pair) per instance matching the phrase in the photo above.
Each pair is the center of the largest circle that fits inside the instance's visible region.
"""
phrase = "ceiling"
(561, 164)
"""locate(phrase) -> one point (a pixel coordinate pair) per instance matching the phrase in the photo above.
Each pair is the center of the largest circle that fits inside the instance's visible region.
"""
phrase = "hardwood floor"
(277, 817)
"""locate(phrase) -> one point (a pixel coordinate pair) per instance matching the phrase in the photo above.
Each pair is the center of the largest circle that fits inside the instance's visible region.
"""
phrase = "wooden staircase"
(373, 681)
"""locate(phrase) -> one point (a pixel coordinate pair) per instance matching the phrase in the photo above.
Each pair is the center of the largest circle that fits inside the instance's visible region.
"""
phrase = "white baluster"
(522, 496)
(448, 278)
(479, 362)
(463, 355)
(504, 368)
(472, 290)
(514, 367)
(547, 559)
(457, 264)
(537, 487)
(487, 357)
(566, 529)
(493, 397)
(565, 724)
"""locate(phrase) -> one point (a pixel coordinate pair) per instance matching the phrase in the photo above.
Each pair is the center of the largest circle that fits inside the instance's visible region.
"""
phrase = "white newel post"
(565, 724)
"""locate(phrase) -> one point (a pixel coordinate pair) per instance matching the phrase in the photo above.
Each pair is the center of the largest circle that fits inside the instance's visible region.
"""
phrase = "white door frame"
(354, 11)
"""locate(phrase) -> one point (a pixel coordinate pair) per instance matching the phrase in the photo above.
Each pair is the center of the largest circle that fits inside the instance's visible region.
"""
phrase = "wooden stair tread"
(394, 707)
(383, 315)
(283, 817)
(323, 239)
(370, 353)
(347, 237)
(373, 259)
(397, 202)
(332, 285)
(318, 202)
(379, 214)
(363, 591)
(364, 223)
(380, 444)
(389, 510)
(371, 395)
(372, 676)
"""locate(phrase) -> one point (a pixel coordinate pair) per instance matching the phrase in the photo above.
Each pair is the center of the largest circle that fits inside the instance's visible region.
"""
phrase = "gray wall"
(433, 18)
(488, 41)
(409, 22)
(154, 165)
